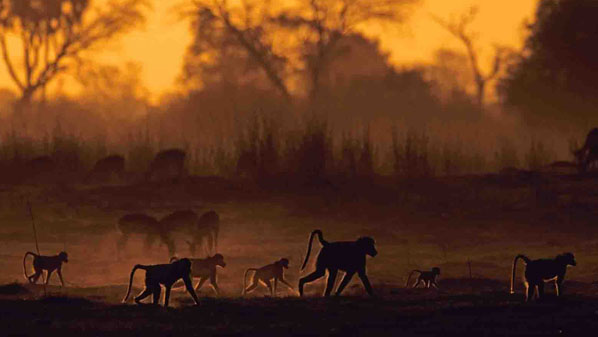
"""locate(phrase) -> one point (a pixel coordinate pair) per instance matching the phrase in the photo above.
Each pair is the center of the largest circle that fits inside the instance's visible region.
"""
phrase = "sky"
(160, 45)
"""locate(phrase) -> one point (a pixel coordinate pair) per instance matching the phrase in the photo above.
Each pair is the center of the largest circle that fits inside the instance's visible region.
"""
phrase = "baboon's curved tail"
(25, 267)
(311, 238)
(525, 259)
(245, 279)
(137, 266)
(409, 277)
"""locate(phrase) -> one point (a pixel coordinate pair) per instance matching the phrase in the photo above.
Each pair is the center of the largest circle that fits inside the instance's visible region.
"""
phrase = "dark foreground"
(404, 313)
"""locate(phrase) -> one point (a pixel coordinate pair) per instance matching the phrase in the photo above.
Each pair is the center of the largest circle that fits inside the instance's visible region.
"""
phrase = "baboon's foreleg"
(346, 279)
(558, 283)
(310, 278)
(166, 296)
(366, 282)
(202, 280)
(331, 280)
(59, 271)
(48, 276)
(157, 292)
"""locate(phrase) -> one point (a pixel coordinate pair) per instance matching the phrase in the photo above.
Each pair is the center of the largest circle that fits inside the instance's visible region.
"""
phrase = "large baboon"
(163, 274)
(348, 256)
(47, 263)
(105, 168)
(143, 224)
(588, 153)
(167, 164)
(542, 270)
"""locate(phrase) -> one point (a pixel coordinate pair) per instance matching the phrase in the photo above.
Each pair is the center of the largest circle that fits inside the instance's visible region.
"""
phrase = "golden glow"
(160, 46)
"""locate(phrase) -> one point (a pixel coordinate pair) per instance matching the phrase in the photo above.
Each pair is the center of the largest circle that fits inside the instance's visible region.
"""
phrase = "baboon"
(542, 270)
(163, 274)
(208, 227)
(47, 263)
(139, 223)
(266, 274)
(588, 153)
(106, 167)
(205, 269)
(166, 164)
(348, 256)
(428, 278)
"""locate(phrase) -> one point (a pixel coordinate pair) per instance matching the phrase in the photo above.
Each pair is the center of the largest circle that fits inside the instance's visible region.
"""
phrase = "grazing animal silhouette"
(167, 164)
(542, 270)
(588, 153)
(428, 278)
(47, 263)
(267, 274)
(107, 167)
(208, 227)
(139, 223)
(163, 274)
(348, 256)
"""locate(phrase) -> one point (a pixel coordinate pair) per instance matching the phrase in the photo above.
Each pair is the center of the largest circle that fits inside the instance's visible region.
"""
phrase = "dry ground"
(417, 224)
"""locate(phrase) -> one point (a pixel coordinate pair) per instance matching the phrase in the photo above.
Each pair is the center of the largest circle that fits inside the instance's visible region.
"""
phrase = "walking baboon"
(167, 164)
(205, 269)
(588, 153)
(163, 274)
(348, 256)
(267, 274)
(47, 263)
(542, 270)
(106, 167)
(139, 223)
(428, 278)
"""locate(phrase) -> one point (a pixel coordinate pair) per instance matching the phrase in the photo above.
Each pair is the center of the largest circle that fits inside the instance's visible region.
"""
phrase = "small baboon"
(167, 164)
(47, 263)
(139, 223)
(543, 270)
(205, 269)
(348, 256)
(588, 153)
(265, 275)
(428, 278)
(106, 167)
(163, 274)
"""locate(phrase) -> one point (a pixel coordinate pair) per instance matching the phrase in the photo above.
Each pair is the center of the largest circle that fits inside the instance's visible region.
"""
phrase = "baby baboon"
(266, 274)
(428, 278)
(207, 228)
(542, 270)
(205, 269)
(348, 256)
(163, 274)
(588, 153)
(167, 164)
(139, 223)
(106, 167)
(47, 263)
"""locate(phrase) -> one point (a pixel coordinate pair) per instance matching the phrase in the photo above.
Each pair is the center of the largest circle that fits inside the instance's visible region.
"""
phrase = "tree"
(460, 29)
(555, 75)
(54, 34)
(287, 40)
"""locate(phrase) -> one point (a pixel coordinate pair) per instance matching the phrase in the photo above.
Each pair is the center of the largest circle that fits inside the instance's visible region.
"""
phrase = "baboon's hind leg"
(310, 278)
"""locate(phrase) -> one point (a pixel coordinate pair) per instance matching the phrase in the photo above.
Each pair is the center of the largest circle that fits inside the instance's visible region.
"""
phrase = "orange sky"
(160, 46)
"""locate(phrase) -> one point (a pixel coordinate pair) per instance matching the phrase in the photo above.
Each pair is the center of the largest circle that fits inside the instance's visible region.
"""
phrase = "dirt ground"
(470, 227)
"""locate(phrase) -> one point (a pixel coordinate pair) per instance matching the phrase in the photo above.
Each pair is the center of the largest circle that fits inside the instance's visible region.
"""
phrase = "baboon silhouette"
(167, 164)
(47, 263)
(348, 256)
(106, 167)
(205, 269)
(588, 153)
(539, 271)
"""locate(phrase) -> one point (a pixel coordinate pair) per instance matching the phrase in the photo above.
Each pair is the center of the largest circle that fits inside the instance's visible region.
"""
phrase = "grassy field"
(452, 223)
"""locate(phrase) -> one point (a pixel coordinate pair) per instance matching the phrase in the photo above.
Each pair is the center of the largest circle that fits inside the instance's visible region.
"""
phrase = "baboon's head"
(367, 245)
(63, 256)
(284, 263)
(436, 270)
(183, 266)
(567, 259)
(219, 260)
